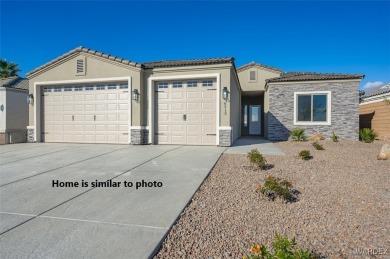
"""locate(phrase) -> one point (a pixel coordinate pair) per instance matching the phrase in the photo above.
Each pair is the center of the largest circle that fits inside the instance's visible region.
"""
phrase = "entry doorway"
(254, 119)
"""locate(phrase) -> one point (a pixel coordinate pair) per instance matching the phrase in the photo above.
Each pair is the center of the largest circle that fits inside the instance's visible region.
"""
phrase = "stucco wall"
(17, 110)
(344, 109)
(262, 74)
(3, 116)
(235, 103)
(376, 115)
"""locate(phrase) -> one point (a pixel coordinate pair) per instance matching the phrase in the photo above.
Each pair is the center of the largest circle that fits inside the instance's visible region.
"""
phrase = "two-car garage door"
(185, 112)
(93, 113)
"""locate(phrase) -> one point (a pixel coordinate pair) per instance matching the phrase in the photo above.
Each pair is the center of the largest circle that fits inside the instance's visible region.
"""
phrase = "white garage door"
(97, 113)
(186, 112)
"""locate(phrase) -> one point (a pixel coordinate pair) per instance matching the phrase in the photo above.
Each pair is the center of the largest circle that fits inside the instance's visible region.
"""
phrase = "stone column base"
(30, 134)
(140, 136)
(225, 137)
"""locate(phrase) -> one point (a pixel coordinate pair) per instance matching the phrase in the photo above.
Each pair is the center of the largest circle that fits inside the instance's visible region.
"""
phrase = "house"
(92, 97)
(374, 111)
(13, 110)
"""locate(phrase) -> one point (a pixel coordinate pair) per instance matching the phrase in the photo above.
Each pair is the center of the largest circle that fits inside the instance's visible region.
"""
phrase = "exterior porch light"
(225, 93)
(135, 95)
(30, 99)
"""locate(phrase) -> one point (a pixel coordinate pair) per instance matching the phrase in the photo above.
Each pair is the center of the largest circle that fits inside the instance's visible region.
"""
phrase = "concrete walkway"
(245, 144)
(41, 221)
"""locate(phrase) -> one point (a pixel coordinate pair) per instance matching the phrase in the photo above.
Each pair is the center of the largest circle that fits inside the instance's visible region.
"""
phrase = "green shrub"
(334, 137)
(317, 146)
(367, 135)
(282, 248)
(256, 159)
(298, 135)
(276, 187)
(305, 154)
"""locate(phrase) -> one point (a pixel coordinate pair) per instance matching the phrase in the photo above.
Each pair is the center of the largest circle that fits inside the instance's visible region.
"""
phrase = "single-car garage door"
(94, 113)
(186, 112)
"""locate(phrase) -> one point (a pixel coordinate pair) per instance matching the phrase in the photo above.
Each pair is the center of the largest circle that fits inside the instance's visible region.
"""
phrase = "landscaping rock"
(385, 152)
(316, 137)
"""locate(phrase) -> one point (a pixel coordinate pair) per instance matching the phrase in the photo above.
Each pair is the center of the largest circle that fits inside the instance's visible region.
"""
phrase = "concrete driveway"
(41, 221)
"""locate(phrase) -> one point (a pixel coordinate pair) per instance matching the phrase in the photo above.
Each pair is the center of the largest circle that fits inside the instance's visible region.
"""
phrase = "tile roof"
(377, 91)
(15, 82)
(251, 64)
(90, 51)
(186, 62)
(311, 76)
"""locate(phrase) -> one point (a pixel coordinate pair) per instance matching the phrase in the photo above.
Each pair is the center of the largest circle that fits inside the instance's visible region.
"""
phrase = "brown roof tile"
(187, 62)
(251, 64)
(15, 82)
(311, 76)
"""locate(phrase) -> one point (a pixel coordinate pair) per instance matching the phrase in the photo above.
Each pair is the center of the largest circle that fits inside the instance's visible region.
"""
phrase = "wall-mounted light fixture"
(225, 93)
(30, 99)
(135, 95)
(2, 107)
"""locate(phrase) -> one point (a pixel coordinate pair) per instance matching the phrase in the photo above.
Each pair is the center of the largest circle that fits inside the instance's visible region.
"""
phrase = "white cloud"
(371, 85)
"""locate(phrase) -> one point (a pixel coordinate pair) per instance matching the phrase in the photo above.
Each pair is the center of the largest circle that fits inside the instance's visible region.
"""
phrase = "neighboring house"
(92, 97)
(375, 111)
(13, 110)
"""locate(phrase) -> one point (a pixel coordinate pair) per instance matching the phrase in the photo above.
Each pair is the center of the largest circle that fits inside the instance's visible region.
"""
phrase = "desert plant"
(281, 248)
(334, 137)
(367, 135)
(317, 146)
(305, 154)
(257, 159)
(276, 187)
(386, 101)
(298, 135)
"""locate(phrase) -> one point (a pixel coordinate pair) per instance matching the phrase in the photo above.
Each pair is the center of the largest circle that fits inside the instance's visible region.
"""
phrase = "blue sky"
(332, 36)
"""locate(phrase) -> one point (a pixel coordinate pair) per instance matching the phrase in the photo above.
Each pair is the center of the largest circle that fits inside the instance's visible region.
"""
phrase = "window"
(89, 87)
(78, 88)
(252, 76)
(192, 84)
(207, 83)
(100, 87)
(57, 89)
(123, 86)
(111, 86)
(67, 88)
(162, 85)
(47, 89)
(177, 84)
(245, 117)
(312, 108)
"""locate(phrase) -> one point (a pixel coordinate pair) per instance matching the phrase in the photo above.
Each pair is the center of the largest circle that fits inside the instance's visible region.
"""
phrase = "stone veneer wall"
(139, 136)
(225, 137)
(30, 134)
(344, 114)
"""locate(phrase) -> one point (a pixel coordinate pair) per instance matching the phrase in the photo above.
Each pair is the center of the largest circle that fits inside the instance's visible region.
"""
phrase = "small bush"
(256, 159)
(298, 135)
(367, 135)
(276, 187)
(282, 248)
(334, 137)
(317, 146)
(305, 154)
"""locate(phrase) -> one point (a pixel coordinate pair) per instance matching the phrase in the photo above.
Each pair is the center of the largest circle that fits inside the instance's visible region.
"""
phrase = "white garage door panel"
(87, 116)
(198, 104)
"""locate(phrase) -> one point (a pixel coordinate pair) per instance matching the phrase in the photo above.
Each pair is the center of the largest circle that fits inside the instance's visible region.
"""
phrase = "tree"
(8, 69)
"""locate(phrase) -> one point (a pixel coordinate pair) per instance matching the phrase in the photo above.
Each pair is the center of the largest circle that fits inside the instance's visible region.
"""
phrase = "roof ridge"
(253, 63)
(89, 51)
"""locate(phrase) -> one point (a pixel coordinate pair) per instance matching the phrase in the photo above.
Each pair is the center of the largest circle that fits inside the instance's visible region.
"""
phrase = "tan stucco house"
(91, 97)
(13, 109)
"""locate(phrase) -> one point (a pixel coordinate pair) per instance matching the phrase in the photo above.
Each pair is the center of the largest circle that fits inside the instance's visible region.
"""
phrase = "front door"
(254, 119)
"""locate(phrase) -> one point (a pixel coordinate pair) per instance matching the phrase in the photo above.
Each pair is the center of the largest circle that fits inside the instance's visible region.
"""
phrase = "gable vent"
(80, 66)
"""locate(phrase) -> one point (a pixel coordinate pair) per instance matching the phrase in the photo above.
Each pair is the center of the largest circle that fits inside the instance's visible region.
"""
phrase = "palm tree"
(8, 69)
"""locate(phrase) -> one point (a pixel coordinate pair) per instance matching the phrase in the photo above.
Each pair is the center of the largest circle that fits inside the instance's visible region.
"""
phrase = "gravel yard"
(343, 204)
